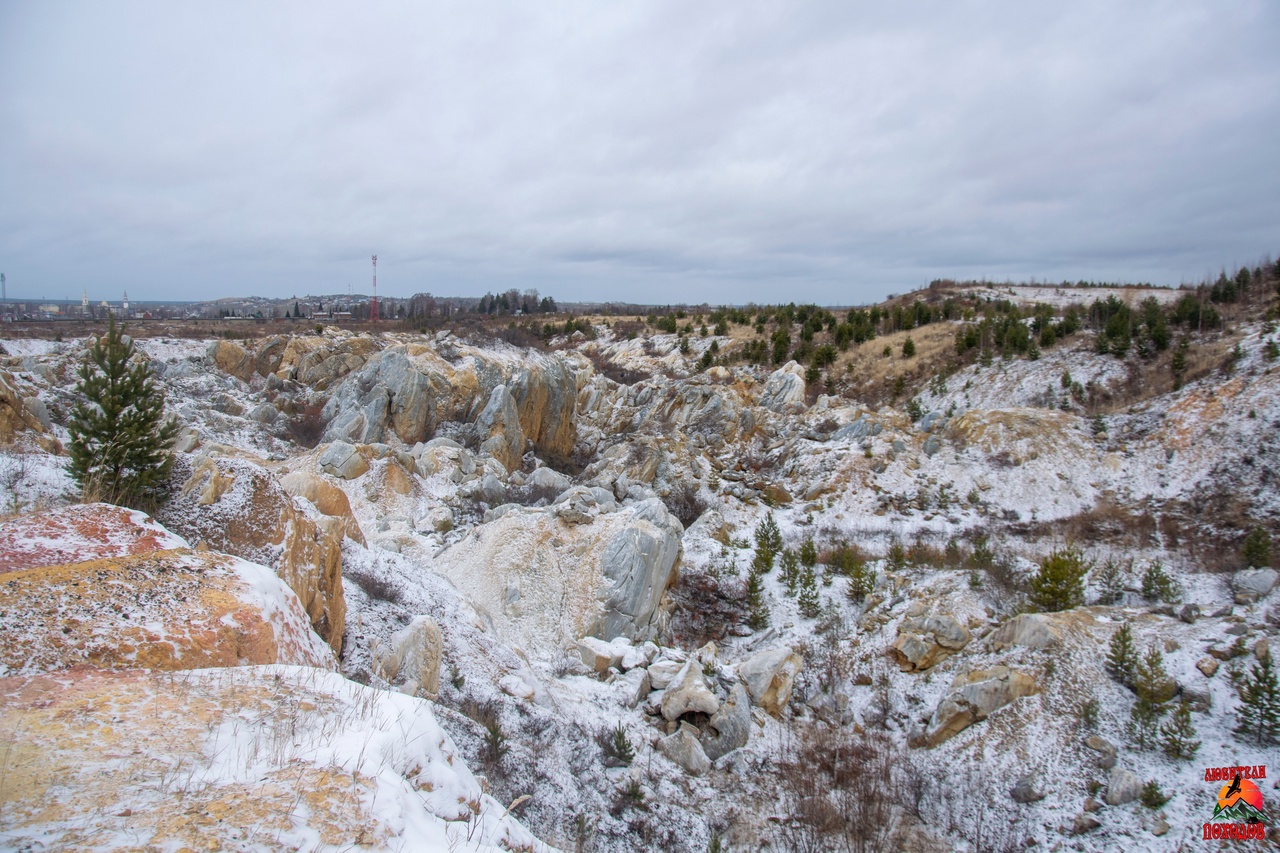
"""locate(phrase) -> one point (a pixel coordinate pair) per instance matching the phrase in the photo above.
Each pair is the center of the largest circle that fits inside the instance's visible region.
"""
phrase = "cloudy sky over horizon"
(647, 151)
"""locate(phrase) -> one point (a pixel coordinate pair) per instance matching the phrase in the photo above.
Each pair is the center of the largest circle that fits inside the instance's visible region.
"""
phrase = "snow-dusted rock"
(1208, 666)
(1028, 789)
(683, 749)
(663, 672)
(498, 428)
(1039, 630)
(784, 390)
(1123, 786)
(237, 507)
(544, 584)
(325, 762)
(973, 697)
(730, 727)
(159, 609)
(922, 641)
(514, 685)
(232, 359)
(327, 498)
(769, 676)
(342, 460)
(688, 693)
(1252, 584)
(412, 658)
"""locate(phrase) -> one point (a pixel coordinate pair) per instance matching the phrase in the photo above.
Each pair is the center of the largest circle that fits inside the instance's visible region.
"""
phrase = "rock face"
(924, 640)
(769, 676)
(411, 660)
(407, 391)
(238, 508)
(326, 762)
(784, 390)
(167, 610)
(232, 359)
(543, 582)
(498, 428)
(1028, 789)
(973, 697)
(18, 413)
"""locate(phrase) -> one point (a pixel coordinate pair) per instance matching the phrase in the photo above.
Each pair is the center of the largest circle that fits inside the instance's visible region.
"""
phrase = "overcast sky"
(642, 151)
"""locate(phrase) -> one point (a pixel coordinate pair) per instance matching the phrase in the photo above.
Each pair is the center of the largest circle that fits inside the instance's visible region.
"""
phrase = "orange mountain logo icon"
(1239, 800)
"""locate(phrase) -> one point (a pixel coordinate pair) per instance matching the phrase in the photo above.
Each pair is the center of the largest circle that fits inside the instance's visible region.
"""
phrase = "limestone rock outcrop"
(237, 507)
(543, 582)
(75, 534)
(170, 608)
(410, 659)
(104, 757)
(1040, 630)
(784, 390)
(973, 697)
(924, 640)
(769, 676)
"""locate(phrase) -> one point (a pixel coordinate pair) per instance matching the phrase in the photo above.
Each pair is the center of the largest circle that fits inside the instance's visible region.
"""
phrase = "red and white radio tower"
(373, 308)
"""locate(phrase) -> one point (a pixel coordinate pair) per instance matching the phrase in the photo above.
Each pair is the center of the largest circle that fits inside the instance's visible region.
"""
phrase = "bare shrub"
(375, 586)
(306, 428)
(705, 608)
(685, 503)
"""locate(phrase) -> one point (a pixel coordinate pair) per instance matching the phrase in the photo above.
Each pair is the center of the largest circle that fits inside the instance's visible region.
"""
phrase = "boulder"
(684, 750)
(267, 358)
(599, 655)
(411, 658)
(924, 640)
(232, 359)
(730, 727)
(688, 693)
(973, 697)
(498, 428)
(663, 672)
(769, 676)
(1123, 786)
(342, 460)
(1252, 584)
(237, 507)
(784, 389)
(1039, 630)
(15, 414)
(544, 584)
(1028, 789)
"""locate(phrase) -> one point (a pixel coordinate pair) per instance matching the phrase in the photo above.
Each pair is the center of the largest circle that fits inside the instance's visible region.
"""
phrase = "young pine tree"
(1177, 737)
(810, 606)
(1122, 658)
(120, 438)
(808, 553)
(1154, 688)
(1257, 549)
(758, 611)
(1258, 716)
(789, 570)
(768, 537)
(1059, 584)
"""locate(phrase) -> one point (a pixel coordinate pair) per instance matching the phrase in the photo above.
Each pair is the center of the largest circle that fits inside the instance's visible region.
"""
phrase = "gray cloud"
(647, 151)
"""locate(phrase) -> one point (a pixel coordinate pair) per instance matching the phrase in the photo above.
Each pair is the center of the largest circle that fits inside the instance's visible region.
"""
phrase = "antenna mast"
(373, 308)
(4, 289)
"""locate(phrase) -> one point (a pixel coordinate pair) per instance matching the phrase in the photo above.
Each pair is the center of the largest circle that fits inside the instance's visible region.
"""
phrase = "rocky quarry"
(620, 591)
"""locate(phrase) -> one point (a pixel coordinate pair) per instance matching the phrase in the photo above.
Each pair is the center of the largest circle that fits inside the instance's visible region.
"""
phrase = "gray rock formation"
(498, 428)
(769, 676)
(684, 749)
(973, 697)
(1123, 786)
(688, 693)
(730, 727)
(784, 389)
(342, 460)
